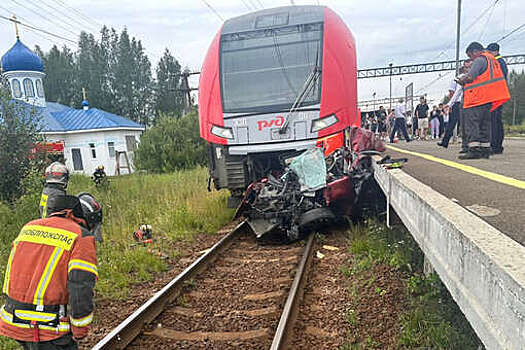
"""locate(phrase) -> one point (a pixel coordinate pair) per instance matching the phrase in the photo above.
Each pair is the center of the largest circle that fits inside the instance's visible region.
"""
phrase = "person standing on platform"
(484, 90)
(454, 105)
(381, 121)
(497, 131)
(421, 119)
(446, 114)
(441, 119)
(400, 121)
(434, 123)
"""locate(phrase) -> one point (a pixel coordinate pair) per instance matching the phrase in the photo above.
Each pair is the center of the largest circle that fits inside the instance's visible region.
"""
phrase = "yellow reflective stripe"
(46, 276)
(81, 322)
(8, 270)
(8, 318)
(77, 264)
(55, 237)
(30, 315)
(43, 204)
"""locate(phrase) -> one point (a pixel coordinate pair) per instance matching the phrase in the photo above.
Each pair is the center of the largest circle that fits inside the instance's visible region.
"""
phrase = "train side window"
(29, 89)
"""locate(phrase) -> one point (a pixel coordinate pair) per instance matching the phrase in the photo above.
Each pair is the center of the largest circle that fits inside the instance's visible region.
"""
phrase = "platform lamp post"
(374, 96)
(390, 99)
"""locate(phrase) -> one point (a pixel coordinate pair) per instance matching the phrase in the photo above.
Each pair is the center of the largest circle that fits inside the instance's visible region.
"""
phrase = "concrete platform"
(463, 215)
(497, 183)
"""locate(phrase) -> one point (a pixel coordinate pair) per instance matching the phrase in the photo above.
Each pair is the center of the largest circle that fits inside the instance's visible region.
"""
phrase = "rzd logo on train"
(277, 121)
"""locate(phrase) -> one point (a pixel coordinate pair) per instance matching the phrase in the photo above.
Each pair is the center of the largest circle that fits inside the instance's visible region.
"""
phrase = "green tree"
(173, 143)
(142, 83)
(516, 82)
(59, 82)
(19, 126)
(168, 97)
(91, 71)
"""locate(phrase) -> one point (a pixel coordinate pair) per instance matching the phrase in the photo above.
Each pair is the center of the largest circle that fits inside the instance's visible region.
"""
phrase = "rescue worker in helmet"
(99, 175)
(53, 264)
(57, 179)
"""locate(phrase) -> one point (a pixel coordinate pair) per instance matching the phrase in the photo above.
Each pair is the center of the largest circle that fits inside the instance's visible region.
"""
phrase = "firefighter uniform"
(50, 190)
(52, 264)
(487, 92)
(57, 179)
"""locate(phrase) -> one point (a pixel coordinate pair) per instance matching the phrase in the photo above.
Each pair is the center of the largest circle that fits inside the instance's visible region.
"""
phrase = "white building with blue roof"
(91, 136)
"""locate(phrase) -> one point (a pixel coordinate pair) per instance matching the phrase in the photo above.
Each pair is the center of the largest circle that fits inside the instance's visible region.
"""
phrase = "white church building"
(91, 136)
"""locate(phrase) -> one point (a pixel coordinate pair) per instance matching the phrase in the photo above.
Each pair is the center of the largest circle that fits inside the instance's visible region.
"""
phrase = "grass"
(177, 205)
(432, 319)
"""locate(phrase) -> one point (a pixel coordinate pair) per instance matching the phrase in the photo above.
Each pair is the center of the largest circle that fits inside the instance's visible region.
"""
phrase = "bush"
(18, 133)
(172, 144)
(515, 129)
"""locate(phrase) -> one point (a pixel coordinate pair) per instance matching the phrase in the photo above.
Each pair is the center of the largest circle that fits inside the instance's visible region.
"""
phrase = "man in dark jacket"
(497, 131)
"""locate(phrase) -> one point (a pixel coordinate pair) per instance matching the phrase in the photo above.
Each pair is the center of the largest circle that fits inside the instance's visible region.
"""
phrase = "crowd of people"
(473, 111)
(425, 124)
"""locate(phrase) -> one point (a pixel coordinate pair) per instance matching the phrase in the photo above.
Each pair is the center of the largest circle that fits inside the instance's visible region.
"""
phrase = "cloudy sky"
(397, 31)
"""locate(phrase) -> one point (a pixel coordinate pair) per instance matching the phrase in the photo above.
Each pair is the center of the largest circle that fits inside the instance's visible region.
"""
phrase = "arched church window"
(39, 88)
(29, 89)
(17, 89)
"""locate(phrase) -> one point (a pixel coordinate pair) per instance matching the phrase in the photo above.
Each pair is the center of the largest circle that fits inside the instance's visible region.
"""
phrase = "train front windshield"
(265, 70)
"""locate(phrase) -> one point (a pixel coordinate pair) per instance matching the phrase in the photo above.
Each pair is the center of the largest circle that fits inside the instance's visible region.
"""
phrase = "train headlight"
(225, 133)
(323, 123)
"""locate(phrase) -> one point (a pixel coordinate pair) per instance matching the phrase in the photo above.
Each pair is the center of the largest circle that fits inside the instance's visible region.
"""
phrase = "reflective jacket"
(49, 190)
(52, 263)
(489, 87)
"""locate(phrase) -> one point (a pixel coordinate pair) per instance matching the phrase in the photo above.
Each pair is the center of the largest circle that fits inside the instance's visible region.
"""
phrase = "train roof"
(274, 17)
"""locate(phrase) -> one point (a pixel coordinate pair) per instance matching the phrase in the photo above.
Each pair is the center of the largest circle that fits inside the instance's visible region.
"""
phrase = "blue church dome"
(20, 57)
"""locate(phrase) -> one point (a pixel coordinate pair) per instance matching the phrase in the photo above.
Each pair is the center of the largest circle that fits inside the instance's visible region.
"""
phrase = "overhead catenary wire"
(464, 31)
(67, 22)
(247, 5)
(58, 24)
(260, 3)
(30, 30)
(69, 16)
(39, 29)
(78, 12)
(486, 24)
(212, 9)
(515, 30)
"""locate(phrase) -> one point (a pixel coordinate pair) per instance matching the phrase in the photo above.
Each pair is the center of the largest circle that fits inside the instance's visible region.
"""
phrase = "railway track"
(239, 294)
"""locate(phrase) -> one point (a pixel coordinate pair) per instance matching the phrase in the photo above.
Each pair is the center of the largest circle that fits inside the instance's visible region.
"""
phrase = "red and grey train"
(274, 82)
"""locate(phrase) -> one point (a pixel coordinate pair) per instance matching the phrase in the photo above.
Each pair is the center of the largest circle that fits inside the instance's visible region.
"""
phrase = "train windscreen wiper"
(307, 86)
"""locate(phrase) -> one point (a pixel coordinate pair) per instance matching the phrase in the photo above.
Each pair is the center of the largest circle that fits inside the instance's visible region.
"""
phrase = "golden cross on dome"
(15, 21)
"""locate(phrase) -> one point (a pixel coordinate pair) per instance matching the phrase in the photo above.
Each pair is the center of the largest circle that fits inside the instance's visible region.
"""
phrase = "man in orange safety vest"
(484, 90)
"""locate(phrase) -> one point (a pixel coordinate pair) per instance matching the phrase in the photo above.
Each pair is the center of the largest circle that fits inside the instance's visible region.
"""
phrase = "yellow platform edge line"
(466, 168)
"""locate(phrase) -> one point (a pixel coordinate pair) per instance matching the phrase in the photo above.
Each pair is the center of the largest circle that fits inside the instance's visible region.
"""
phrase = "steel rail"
(291, 307)
(131, 327)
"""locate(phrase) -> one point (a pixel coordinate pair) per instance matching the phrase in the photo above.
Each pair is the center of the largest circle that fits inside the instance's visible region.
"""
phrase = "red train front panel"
(264, 64)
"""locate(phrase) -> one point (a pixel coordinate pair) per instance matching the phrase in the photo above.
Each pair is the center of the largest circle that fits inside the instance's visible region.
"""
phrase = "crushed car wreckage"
(312, 189)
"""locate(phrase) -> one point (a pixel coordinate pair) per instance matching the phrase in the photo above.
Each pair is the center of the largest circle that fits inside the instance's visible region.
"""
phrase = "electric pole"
(514, 111)
(390, 99)
(186, 93)
(458, 34)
